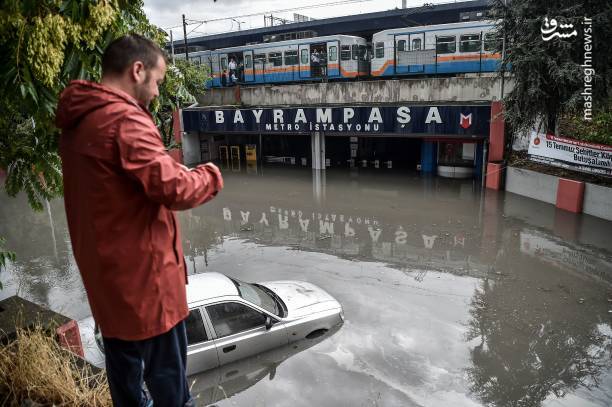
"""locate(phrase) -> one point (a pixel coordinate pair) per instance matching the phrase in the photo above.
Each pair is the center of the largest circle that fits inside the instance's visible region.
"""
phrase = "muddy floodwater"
(453, 296)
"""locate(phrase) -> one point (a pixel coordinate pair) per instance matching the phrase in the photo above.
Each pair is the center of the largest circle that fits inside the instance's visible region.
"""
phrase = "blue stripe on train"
(487, 65)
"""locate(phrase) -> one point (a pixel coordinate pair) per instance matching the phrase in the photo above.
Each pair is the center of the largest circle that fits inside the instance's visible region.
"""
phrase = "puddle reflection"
(452, 295)
(222, 383)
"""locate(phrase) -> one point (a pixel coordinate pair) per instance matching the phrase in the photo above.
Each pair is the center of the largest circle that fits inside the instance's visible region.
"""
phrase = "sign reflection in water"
(507, 305)
(536, 326)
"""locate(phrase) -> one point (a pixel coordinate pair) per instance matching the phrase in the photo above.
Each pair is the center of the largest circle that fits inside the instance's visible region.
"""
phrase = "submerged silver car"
(230, 320)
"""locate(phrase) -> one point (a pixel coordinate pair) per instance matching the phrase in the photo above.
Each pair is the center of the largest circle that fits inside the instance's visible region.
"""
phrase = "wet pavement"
(453, 296)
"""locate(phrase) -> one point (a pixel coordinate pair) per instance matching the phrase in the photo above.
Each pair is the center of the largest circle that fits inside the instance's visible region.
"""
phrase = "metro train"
(436, 49)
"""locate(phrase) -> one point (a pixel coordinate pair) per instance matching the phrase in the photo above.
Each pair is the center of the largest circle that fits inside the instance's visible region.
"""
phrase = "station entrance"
(435, 139)
(373, 152)
(446, 157)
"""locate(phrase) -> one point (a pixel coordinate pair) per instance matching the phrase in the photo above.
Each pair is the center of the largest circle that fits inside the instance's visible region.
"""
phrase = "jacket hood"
(83, 97)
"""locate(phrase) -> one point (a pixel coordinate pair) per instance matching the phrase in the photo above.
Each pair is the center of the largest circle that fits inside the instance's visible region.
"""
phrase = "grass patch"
(34, 367)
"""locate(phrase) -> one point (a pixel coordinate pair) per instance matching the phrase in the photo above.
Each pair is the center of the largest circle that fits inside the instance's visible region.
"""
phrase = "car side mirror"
(269, 323)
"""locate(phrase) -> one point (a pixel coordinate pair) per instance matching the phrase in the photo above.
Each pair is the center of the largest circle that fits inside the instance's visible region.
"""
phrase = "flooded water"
(452, 296)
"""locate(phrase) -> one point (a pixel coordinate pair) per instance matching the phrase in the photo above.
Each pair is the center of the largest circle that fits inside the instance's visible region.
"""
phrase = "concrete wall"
(543, 187)
(532, 184)
(597, 201)
(456, 89)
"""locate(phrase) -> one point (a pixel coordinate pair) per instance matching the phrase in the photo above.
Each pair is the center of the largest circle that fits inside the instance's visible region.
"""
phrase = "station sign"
(409, 120)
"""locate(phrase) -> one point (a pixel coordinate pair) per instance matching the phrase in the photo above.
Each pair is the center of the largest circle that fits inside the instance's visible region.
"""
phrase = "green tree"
(44, 44)
(548, 74)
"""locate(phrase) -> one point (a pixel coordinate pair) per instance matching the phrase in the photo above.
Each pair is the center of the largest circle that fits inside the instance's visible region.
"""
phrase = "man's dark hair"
(124, 51)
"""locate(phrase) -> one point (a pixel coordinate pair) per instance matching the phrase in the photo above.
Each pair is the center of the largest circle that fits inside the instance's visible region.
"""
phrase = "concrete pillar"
(496, 132)
(319, 182)
(69, 337)
(494, 176)
(428, 157)
(570, 195)
(495, 170)
(317, 143)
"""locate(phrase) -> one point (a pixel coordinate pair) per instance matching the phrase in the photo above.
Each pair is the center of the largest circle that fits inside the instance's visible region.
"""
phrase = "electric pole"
(185, 38)
(172, 46)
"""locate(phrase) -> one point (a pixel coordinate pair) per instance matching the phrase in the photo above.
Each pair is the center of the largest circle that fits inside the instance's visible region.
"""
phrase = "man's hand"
(217, 173)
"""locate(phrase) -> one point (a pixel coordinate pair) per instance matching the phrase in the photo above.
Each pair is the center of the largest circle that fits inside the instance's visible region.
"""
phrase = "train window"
(416, 44)
(291, 57)
(304, 56)
(345, 52)
(379, 50)
(446, 45)
(195, 60)
(224, 63)
(275, 58)
(491, 42)
(401, 45)
(248, 61)
(355, 49)
(469, 43)
(333, 53)
(260, 58)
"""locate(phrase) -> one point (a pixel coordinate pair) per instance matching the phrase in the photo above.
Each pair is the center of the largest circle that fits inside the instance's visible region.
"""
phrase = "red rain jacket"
(120, 190)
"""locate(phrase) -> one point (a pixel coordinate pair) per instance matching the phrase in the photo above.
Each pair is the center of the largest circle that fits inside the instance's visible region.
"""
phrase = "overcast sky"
(167, 14)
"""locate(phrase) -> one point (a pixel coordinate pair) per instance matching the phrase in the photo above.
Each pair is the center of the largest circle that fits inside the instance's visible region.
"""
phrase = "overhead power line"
(333, 3)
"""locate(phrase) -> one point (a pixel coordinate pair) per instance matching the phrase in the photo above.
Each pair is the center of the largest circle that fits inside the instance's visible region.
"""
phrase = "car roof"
(209, 285)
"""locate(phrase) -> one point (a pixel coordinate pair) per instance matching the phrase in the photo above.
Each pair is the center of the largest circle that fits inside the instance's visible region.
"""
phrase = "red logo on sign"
(536, 141)
(465, 121)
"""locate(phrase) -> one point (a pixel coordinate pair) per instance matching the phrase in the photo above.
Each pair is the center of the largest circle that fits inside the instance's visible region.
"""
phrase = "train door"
(208, 61)
(223, 69)
(214, 70)
(333, 66)
(259, 62)
(363, 64)
(402, 46)
(304, 50)
(419, 57)
(318, 60)
(247, 60)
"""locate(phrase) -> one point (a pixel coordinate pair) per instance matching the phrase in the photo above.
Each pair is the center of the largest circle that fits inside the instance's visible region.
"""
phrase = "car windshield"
(259, 296)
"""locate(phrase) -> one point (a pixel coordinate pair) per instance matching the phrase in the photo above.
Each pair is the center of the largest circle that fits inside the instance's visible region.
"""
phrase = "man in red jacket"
(120, 191)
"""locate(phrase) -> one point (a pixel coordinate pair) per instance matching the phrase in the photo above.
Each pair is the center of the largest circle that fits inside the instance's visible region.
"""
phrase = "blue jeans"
(159, 361)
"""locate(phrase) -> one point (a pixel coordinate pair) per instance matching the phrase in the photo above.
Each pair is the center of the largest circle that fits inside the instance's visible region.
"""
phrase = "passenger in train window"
(315, 58)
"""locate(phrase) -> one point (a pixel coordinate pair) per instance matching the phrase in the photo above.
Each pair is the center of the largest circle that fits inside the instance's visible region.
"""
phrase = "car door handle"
(228, 349)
